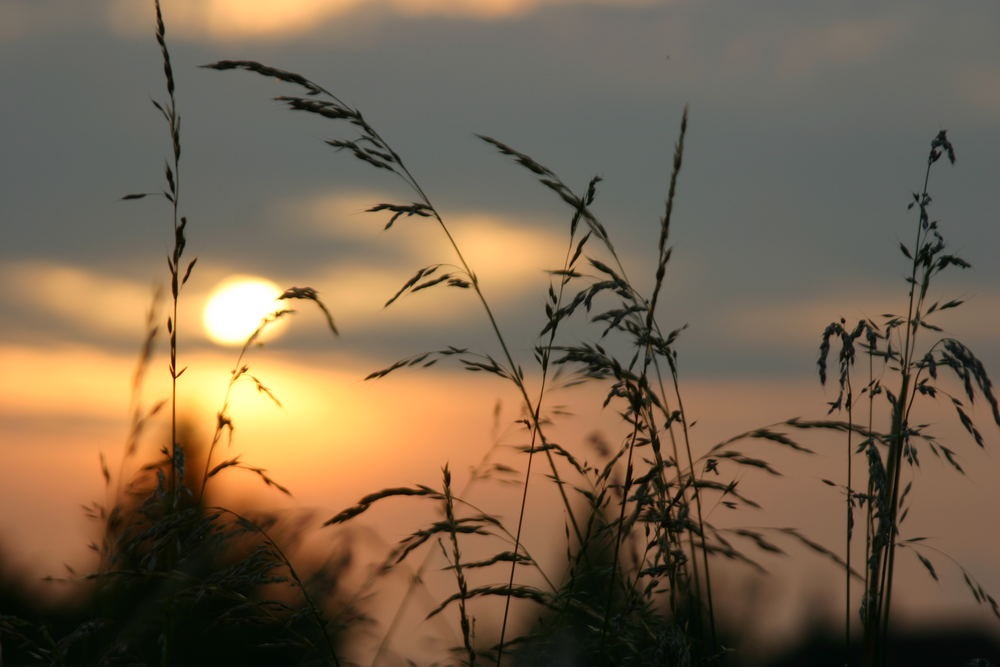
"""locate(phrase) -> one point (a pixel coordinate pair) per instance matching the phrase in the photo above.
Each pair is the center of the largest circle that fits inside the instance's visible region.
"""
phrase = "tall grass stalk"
(178, 279)
(372, 149)
(159, 540)
(642, 383)
(916, 373)
(456, 564)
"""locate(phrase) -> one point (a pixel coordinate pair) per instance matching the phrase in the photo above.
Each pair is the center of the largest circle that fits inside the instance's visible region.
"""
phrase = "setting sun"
(237, 306)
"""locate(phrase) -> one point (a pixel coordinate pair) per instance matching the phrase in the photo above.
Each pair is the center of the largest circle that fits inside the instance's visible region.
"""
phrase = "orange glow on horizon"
(337, 438)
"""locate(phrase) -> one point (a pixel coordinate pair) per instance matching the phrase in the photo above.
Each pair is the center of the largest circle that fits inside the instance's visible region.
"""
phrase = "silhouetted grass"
(183, 581)
(915, 372)
(180, 581)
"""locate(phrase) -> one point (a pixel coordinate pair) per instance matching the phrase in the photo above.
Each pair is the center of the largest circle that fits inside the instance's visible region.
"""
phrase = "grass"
(182, 580)
(915, 371)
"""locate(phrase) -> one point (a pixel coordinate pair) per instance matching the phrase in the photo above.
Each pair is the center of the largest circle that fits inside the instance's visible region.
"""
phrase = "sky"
(808, 131)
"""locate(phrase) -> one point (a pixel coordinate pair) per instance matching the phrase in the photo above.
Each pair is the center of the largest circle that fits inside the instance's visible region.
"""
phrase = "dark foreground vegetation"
(180, 580)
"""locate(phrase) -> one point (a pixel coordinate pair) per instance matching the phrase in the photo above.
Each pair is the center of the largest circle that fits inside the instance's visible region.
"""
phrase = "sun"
(237, 306)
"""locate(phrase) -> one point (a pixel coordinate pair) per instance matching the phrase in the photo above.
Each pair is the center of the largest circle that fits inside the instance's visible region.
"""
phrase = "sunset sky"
(809, 129)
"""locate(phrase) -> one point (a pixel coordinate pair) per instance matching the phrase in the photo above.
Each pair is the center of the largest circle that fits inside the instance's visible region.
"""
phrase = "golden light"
(238, 305)
(268, 19)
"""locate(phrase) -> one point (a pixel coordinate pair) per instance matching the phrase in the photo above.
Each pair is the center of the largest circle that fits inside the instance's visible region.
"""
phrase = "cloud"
(335, 215)
(228, 19)
(793, 52)
(508, 255)
(71, 303)
(20, 19)
(266, 19)
(843, 43)
(979, 88)
(800, 322)
(78, 298)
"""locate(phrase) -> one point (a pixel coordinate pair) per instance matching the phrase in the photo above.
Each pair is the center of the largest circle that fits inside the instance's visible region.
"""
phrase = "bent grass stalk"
(374, 150)
(241, 369)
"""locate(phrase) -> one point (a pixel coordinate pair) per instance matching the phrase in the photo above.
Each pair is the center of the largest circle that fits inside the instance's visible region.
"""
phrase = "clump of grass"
(895, 344)
(646, 502)
(179, 580)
